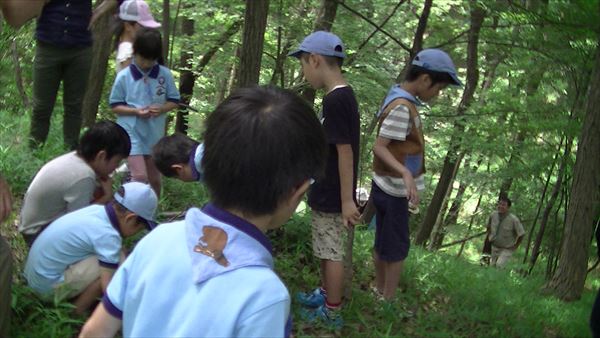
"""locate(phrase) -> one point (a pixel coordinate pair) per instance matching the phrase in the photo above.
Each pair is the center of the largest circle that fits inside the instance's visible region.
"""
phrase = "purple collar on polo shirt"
(112, 216)
(137, 73)
(192, 163)
(245, 244)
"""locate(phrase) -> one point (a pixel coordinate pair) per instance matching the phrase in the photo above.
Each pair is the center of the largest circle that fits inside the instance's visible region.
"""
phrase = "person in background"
(63, 53)
(6, 262)
(133, 14)
(505, 233)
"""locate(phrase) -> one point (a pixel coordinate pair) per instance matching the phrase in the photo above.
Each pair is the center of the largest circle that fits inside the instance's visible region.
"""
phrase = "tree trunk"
(584, 205)
(101, 51)
(255, 23)
(19, 74)
(554, 239)
(462, 246)
(323, 22)
(186, 76)
(417, 44)
(553, 196)
(166, 30)
(452, 160)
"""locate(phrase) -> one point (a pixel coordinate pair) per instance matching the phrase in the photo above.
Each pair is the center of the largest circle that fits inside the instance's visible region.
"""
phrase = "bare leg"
(379, 272)
(88, 297)
(393, 270)
(323, 273)
(153, 175)
(334, 282)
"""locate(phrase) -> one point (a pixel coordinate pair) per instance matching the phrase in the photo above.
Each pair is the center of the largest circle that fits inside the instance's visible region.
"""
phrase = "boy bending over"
(179, 156)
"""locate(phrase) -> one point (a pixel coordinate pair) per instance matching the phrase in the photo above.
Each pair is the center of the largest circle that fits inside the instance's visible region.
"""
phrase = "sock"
(333, 306)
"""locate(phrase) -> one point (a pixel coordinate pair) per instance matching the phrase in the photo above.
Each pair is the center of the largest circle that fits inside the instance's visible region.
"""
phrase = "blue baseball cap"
(438, 61)
(322, 43)
(140, 199)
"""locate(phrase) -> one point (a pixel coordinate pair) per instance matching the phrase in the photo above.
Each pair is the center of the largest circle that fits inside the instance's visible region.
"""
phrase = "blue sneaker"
(312, 299)
(324, 315)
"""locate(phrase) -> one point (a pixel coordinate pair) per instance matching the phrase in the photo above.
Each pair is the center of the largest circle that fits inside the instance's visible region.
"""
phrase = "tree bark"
(166, 29)
(323, 22)
(584, 204)
(417, 44)
(186, 76)
(101, 50)
(255, 23)
(19, 74)
(452, 160)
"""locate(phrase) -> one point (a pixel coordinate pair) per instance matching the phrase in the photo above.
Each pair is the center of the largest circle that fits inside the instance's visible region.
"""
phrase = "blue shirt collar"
(112, 216)
(238, 223)
(137, 73)
(192, 164)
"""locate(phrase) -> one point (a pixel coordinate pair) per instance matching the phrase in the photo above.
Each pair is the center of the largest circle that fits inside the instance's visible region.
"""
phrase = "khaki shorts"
(78, 277)
(329, 235)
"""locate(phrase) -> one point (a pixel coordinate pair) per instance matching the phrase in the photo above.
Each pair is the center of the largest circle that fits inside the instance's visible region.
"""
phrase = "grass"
(449, 296)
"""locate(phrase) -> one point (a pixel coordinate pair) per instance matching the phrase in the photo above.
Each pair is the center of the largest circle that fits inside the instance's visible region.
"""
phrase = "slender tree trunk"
(323, 22)
(101, 50)
(186, 76)
(462, 246)
(452, 160)
(584, 205)
(553, 196)
(417, 44)
(554, 239)
(19, 74)
(255, 23)
(166, 29)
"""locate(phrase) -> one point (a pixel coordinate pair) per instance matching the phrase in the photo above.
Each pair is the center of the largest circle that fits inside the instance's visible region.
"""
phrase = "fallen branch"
(463, 240)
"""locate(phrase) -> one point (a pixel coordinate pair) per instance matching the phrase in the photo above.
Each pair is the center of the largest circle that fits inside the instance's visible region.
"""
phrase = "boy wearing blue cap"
(179, 156)
(399, 162)
(75, 257)
(332, 198)
(141, 96)
(211, 275)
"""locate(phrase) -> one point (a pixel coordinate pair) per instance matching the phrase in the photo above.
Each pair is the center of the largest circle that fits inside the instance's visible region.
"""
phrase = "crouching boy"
(75, 257)
(179, 156)
(211, 275)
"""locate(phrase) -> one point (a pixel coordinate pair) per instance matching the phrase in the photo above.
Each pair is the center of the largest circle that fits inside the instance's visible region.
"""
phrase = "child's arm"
(350, 214)
(125, 110)
(105, 277)
(165, 108)
(101, 324)
(382, 152)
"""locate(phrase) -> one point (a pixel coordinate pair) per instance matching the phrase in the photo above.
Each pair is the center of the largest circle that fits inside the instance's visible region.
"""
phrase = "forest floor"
(441, 296)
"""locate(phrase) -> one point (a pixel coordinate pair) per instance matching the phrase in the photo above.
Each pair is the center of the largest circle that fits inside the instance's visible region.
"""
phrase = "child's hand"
(144, 113)
(411, 188)
(350, 214)
(103, 193)
(155, 110)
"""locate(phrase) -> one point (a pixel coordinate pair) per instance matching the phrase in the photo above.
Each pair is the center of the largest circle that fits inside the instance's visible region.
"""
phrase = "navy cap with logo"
(140, 199)
(438, 61)
(322, 43)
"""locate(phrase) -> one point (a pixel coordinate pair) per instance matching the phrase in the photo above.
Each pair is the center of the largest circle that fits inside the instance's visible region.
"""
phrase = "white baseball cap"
(140, 199)
(138, 11)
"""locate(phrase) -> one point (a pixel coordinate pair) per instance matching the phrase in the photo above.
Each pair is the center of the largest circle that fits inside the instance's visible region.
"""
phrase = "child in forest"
(74, 180)
(399, 162)
(217, 264)
(141, 96)
(75, 257)
(133, 14)
(332, 199)
(179, 156)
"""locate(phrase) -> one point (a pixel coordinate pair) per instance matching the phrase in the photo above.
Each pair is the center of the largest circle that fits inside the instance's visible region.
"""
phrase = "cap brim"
(150, 24)
(456, 80)
(296, 53)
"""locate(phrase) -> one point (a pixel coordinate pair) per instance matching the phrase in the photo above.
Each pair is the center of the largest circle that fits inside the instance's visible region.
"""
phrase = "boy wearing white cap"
(76, 256)
(332, 198)
(399, 162)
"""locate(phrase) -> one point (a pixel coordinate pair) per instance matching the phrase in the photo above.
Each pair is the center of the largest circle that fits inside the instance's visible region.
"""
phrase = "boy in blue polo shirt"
(211, 275)
(141, 96)
(75, 257)
(179, 156)
(331, 199)
(399, 162)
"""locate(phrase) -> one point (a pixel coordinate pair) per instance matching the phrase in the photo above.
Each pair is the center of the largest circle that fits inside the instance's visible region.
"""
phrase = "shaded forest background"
(527, 122)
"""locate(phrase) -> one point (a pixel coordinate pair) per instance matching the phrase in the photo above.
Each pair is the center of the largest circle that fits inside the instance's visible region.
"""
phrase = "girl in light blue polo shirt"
(141, 96)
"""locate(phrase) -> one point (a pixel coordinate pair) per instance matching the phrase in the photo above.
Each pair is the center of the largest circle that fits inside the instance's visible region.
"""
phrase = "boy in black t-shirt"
(332, 198)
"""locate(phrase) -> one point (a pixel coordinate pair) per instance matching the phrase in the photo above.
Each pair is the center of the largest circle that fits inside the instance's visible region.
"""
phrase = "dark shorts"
(392, 238)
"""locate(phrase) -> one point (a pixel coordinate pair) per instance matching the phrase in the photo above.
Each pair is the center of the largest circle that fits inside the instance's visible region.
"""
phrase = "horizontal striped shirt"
(396, 126)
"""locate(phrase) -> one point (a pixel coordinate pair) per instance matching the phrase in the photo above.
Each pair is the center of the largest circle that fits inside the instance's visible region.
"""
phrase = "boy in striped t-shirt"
(398, 162)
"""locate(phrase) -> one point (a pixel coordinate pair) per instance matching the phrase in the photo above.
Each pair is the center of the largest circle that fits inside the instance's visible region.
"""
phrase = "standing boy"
(68, 182)
(399, 162)
(211, 275)
(332, 198)
(75, 257)
(141, 96)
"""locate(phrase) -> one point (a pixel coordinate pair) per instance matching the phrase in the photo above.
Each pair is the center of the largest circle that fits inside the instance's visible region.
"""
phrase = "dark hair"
(331, 61)
(436, 77)
(170, 150)
(505, 199)
(261, 143)
(148, 43)
(107, 136)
